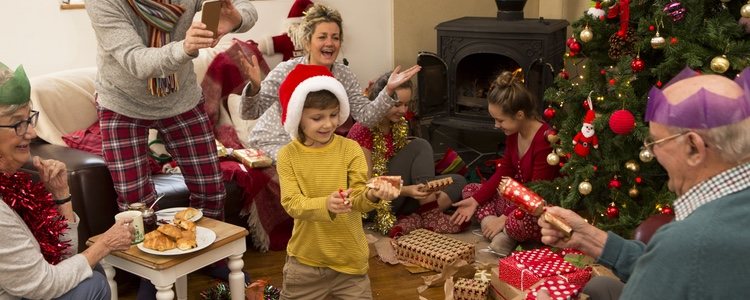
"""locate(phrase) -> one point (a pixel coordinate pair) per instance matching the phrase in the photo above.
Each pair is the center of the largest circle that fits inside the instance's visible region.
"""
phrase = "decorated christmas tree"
(619, 50)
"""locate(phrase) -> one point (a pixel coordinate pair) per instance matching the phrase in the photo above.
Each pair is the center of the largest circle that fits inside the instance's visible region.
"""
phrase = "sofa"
(66, 103)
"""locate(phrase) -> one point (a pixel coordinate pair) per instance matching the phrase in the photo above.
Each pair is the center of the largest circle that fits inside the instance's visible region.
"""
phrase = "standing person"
(389, 152)
(515, 112)
(322, 177)
(321, 34)
(698, 132)
(39, 256)
(146, 80)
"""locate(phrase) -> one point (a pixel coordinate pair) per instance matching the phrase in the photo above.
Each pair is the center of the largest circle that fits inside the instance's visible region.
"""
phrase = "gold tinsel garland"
(384, 217)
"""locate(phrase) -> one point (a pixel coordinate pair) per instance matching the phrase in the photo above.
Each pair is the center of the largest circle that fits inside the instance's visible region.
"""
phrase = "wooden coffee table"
(164, 271)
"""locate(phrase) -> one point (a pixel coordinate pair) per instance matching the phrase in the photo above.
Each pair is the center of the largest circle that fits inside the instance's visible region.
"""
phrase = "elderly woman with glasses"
(39, 257)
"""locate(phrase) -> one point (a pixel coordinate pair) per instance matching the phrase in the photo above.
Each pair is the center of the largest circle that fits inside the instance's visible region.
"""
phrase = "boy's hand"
(383, 190)
(338, 202)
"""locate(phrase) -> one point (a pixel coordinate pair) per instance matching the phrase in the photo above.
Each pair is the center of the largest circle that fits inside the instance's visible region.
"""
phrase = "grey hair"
(7, 110)
(318, 13)
(731, 141)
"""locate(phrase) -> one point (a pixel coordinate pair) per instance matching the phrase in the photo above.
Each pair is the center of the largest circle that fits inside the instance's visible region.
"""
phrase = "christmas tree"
(618, 51)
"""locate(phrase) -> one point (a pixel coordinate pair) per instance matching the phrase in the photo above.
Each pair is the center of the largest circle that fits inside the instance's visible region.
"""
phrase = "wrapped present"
(533, 255)
(501, 290)
(470, 289)
(558, 289)
(221, 151)
(252, 158)
(483, 275)
(524, 275)
(432, 250)
(599, 270)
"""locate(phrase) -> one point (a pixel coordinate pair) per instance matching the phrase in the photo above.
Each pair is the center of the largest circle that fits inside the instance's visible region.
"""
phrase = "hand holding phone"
(210, 15)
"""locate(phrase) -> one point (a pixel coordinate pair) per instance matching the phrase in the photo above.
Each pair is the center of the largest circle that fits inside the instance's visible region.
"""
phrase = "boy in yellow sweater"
(322, 177)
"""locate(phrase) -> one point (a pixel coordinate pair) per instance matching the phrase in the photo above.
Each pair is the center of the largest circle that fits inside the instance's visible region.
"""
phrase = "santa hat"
(283, 43)
(302, 80)
(296, 13)
(589, 118)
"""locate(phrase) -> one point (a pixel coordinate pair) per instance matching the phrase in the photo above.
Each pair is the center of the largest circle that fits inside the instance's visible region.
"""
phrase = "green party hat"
(16, 90)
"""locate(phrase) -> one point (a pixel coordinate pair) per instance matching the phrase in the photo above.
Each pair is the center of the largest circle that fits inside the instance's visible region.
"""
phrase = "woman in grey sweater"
(39, 256)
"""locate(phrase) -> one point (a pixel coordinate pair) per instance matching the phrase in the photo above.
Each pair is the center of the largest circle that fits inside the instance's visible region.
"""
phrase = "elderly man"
(698, 132)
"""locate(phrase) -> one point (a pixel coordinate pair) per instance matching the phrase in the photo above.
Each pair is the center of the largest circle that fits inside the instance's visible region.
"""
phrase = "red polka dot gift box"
(523, 269)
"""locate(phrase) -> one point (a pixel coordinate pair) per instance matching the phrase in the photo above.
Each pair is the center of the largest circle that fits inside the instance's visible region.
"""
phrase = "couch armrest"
(94, 196)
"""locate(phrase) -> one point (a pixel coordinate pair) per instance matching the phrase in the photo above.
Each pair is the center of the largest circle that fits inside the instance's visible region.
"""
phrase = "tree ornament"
(586, 35)
(646, 155)
(585, 139)
(585, 188)
(622, 122)
(575, 47)
(637, 64)
(651, 28)
(596, 12)
(745, 10)
(667, 210)
(549, 113)
(612, 81)
(658, 83)
(519, 214)
(615, 183)
(720, 64)
(560, 151)
(745, 22)
(564, 74)
(633, 192)
(639, 180)
(570, 40)
(675, 10)
(553, 159)
(658, 42)
(613, 211)
(552, 136)
(603, 71)
(632, 166)
(621, 44)
(673, 41)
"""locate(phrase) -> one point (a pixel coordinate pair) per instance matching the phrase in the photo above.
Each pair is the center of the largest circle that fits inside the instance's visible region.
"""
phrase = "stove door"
(432, 86)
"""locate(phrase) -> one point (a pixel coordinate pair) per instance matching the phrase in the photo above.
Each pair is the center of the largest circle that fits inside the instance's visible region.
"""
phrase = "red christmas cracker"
(522, 196)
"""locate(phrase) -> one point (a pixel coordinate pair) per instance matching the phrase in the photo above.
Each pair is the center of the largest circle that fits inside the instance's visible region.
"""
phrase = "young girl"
(322, 178)
(388, 151)
(526, 148)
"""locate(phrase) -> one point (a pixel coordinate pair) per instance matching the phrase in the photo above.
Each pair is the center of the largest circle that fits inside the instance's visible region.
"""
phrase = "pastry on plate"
(170, 230)
(160, 243)
(186, 214)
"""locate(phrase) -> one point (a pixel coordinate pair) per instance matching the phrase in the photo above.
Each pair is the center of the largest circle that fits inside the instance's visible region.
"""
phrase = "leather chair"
(648, 227)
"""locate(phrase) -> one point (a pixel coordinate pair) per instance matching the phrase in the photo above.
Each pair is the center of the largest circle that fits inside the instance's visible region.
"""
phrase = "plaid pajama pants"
(188, 138)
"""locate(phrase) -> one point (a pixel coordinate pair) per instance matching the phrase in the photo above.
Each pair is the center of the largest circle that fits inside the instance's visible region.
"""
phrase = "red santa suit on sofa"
(282, 43)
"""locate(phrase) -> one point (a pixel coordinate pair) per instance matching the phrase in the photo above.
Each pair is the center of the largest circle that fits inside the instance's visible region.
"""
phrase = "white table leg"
(109, 272)
(236, 277)
(181, 287)
(164, 292)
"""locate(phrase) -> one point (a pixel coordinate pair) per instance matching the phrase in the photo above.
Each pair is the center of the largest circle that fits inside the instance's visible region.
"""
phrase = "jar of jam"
(149, 220)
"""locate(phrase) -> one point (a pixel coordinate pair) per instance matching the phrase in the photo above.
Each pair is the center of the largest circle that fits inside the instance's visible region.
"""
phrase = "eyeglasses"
(649, 143)
(23, 126)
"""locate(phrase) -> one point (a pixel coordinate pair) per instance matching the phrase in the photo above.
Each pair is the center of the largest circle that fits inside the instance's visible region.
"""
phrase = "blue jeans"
(94, 287)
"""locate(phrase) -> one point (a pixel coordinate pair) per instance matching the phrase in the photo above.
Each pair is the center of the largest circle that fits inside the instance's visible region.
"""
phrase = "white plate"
(203, 237)
(167, 214)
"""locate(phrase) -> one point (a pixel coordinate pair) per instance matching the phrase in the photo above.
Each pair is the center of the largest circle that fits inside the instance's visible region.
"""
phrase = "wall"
(54, 39)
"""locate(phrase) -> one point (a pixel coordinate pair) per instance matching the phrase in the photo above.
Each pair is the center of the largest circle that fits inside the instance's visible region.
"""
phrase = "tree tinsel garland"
(34, 204)
(384, 218)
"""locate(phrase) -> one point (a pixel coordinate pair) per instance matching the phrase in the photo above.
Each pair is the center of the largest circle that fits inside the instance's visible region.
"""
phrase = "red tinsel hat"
(302, 80)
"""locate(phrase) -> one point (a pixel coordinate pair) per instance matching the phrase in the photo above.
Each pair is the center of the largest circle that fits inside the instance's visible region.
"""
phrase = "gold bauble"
(633, 192)
(586, 35)
(560, 151)
(646, 155)
(658, 42)
(745, 10)
(553, 138)
(720, 64)
(585, 188)
(553, 159)
(632, 166)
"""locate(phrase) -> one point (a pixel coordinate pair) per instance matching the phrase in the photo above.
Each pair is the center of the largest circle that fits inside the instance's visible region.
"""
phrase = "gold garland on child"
(384, 217)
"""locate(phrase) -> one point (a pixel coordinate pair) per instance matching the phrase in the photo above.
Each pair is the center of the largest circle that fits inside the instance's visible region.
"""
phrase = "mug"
(137, 223)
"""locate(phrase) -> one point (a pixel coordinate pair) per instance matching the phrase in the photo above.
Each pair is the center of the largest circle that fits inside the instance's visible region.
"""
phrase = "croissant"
(186, 214)
(170, 230)
(152, 235)
(186, 243)
(185, 224)
(161, 243)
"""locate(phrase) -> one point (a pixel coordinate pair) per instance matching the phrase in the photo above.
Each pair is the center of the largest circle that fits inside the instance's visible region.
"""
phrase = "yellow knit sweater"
(307, 177)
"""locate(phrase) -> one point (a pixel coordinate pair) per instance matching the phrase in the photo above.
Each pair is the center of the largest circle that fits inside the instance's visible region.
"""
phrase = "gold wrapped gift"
(252, 158)
(432, 250)
(470, 289)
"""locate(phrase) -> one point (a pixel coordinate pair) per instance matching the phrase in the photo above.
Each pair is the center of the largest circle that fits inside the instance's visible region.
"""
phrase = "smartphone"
(210, 12)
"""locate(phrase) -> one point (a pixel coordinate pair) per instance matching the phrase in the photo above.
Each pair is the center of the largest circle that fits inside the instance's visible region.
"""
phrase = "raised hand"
(229, 19)
(397, 77)
(247, 64)
(466, 209)
(54, 176)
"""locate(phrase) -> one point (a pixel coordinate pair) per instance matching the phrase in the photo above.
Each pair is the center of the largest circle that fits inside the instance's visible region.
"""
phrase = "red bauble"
(651, 28)
(519, 214)
(638, 180)
(549, 113)
(637, 64)
(613, 212)
(564, 74)
(612, 81)
(622, 122)
(614, 184)
(595, 168)
(575, 47)
(658, 83)
(667, 210)
(603, 71)
(673, 40)
(570, 40)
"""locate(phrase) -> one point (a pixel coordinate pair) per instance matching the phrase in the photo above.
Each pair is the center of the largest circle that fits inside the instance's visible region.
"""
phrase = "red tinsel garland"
(35, 206)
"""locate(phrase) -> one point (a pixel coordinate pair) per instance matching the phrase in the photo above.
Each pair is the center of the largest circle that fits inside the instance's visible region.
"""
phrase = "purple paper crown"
(701, 110)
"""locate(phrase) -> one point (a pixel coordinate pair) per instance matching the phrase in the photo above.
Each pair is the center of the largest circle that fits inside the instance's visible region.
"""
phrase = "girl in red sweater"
(515, 112)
